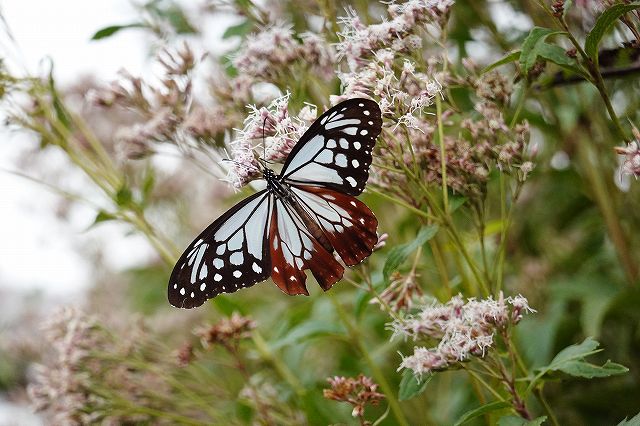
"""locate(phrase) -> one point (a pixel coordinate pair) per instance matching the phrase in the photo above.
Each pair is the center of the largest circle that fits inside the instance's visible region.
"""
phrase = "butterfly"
(305, 214)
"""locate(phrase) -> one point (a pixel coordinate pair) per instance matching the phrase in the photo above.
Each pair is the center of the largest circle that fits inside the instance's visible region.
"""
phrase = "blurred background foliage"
(572, 249)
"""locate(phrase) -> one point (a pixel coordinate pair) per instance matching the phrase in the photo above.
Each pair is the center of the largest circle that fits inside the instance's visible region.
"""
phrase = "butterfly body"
(307, 213)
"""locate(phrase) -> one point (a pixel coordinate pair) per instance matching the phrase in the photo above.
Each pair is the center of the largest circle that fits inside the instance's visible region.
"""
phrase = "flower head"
(227, 331)
(463, 329)
(357, 391)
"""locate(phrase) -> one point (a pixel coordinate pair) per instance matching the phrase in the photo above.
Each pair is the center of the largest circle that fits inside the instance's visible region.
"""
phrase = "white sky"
(36, 250)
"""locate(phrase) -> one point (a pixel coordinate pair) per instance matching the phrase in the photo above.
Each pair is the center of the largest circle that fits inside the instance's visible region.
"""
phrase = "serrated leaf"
(573, 352)
(587, 370)
(410, 386)
(603, 24)
(532, 45)
(635, 421)
(238, 30)
(112, 29)
(397, 255)
(519, 421)
(511, 57)
(571, 361)
(483, 409)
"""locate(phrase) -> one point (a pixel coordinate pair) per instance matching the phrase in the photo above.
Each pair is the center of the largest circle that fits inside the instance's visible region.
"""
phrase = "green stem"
(547, 408)
(375, 370)
(443, 156)
(281, 368)
(403, 204)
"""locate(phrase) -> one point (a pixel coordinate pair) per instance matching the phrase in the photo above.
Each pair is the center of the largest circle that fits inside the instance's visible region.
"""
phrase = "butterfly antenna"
(238, 163)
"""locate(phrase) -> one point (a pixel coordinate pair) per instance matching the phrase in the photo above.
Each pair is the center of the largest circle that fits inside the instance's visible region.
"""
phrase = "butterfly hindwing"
(336, 149)
(297, 223)
(229, 255)
(349, 225)
(294, 249)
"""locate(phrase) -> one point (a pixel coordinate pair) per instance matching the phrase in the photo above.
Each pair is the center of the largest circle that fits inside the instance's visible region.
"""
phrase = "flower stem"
(375, 370)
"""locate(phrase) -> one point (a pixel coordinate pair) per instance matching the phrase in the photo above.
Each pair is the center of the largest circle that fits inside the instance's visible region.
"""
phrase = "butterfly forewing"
(336, 150)
(230, 254)
(296, 224)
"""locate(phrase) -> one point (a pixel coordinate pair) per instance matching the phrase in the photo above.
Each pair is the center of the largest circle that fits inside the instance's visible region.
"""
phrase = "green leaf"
(589, 371)
(603, 24)
(573, 352)
(179, 21)
(635, 421)
(511, 57)
(308, 330)
(124, 196)
(410, 387)
(148, 184)
(227, 305)
(103, 216)
(483, 409)
(519, 421)
(61, 112)
(455, 202)
(238, 30)
(112, 29)
(532, 45)
(571, 361)
(558, 56)
(399, 254)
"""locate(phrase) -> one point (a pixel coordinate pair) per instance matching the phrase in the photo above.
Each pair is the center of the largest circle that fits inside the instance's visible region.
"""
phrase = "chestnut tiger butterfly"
(305, 214)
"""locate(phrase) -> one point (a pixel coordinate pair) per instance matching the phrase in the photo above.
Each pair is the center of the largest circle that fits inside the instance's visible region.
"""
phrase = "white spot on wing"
(236, 258)
(355, 163)
(350, 130)
(257, 269)
(356, 145)
(341, 160)
(351, 181)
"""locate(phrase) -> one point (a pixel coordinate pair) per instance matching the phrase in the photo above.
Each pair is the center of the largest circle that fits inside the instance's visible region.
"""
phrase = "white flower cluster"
(359, 41)
(631, 160)
(462, 329)
(280, 131)
(405, 95)
(274, 49)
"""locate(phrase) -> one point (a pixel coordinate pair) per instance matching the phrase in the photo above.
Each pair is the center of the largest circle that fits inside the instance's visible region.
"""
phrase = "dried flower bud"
(184, 355)
(227, 332)
(358, 392)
